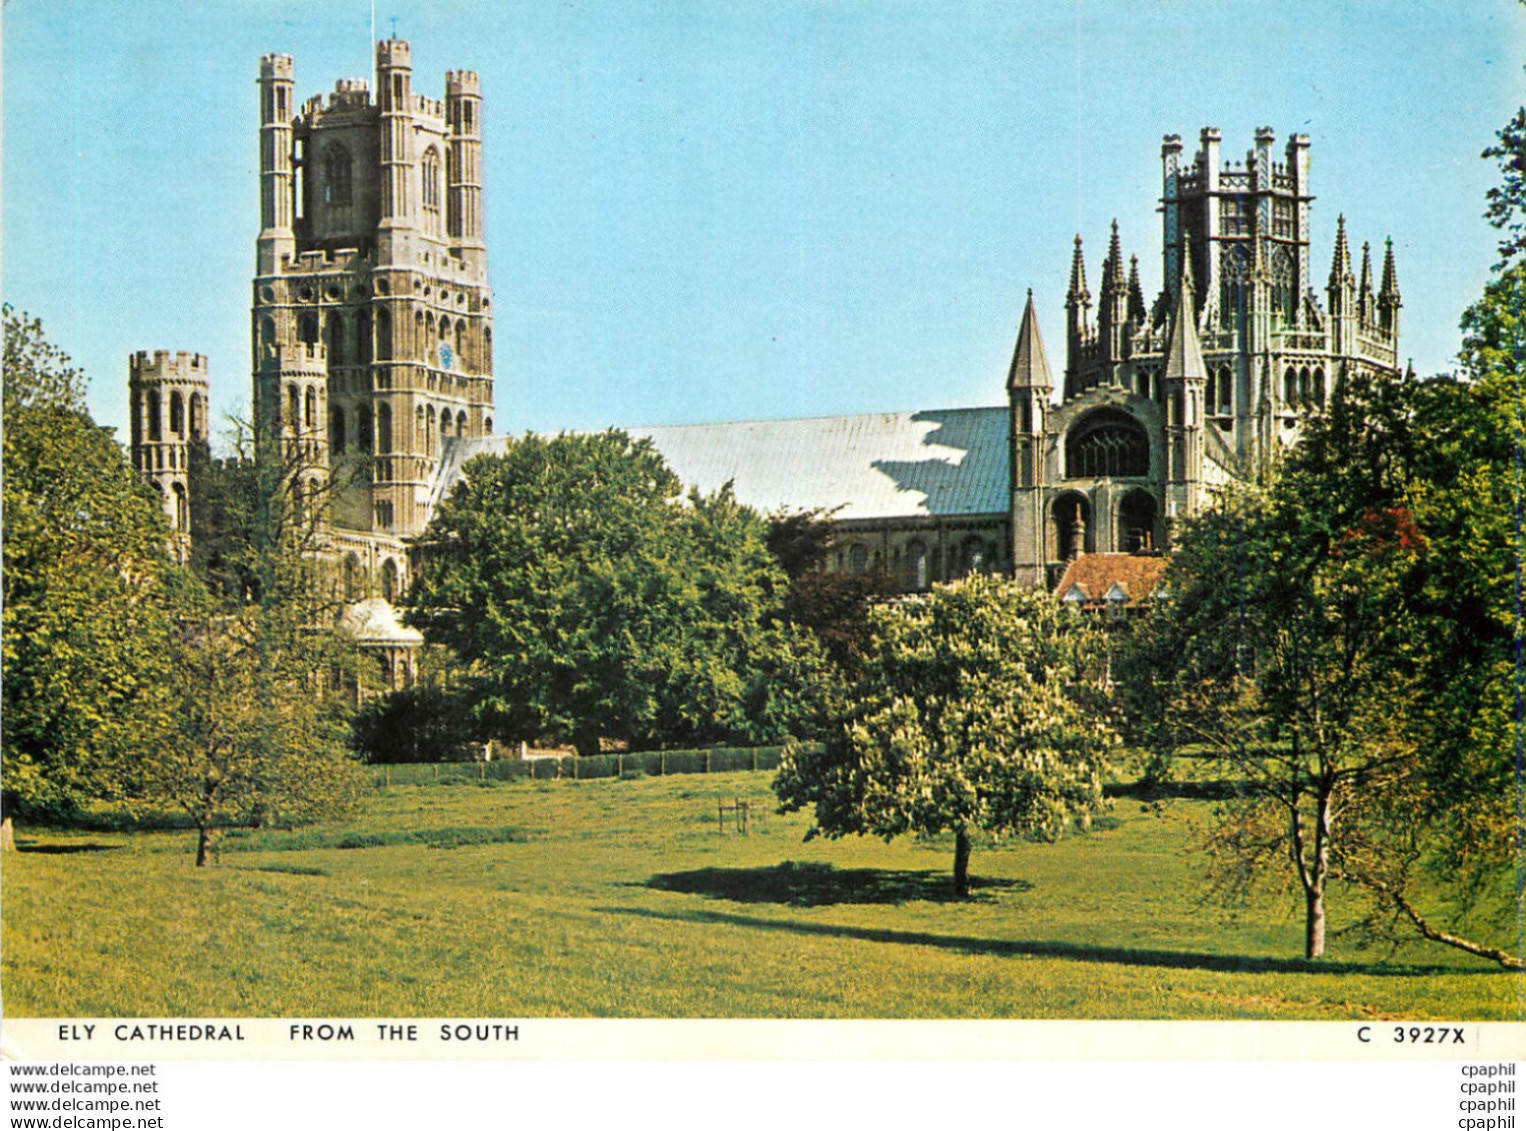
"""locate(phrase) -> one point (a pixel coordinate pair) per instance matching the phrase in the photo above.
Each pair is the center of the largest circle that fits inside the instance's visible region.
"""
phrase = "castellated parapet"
(168, 394)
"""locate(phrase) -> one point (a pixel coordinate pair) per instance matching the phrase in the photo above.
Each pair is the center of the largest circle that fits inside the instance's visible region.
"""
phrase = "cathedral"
(371, 332)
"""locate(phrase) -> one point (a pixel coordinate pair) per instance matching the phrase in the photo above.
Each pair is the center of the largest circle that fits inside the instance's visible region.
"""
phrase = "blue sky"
(731, 210)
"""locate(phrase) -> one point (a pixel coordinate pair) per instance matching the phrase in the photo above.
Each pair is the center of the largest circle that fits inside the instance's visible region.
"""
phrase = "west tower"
(372, 318)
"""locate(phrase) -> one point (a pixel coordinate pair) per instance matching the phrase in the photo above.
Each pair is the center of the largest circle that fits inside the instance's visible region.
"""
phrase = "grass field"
(619, 898)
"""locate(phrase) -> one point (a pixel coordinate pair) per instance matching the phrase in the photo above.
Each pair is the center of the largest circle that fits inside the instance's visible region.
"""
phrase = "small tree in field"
(252, 736)
(971, 712)
(254, 730)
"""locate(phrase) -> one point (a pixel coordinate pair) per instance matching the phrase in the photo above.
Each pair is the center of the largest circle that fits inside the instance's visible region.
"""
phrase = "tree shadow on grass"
(64, 849)
(1048, 948)
(822, 885)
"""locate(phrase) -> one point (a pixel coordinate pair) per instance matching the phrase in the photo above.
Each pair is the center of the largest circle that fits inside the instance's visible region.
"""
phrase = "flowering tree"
(973, 709)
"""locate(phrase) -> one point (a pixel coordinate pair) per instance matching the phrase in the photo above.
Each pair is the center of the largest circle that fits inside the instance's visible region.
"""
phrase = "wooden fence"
(647, 763)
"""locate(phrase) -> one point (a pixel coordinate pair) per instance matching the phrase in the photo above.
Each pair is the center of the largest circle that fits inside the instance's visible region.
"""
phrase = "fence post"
(575, 768)
(619, 764)
(707, 761)
(435, 766)
(755, 759)
(662, 764)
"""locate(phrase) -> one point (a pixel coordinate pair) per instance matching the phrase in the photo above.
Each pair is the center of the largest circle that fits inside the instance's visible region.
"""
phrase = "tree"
(832, 605)
(590, 600)
(974, 709)
(1334, 641)
(253, 733)
(255, 727)
(85, 604)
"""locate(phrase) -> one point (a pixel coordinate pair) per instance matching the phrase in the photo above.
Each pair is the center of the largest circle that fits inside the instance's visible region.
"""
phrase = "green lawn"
(619, 898)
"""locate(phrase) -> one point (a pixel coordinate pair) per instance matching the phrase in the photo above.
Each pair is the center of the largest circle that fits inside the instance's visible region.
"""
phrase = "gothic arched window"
(336, 431)
(337, 167)
(460, 424)
(1223, 392)
(1136, 522)
(383, 336)
(177, 415)
(363, 434)
(383, 429)
(1106, 443)
(1289, 387)
(310, 417)
(336, 339)
(431, 179)
(858, 558)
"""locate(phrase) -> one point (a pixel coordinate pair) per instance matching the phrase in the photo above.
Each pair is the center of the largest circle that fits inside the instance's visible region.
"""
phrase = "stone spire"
(1138, 312)
(1340, 265)
(1030, 364)
(1389, 301)
(1366, 303)
(1112, 268)
(1344, 311)
(1078, 294)
(1184, 353)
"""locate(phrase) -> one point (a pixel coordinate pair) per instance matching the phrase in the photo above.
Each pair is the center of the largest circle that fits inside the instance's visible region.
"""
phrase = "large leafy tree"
(86, 615)
(1338, 641)
(591, 600)
(975, 708)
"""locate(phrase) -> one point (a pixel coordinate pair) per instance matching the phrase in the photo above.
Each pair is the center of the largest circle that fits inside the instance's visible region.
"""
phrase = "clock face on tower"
(447, 358)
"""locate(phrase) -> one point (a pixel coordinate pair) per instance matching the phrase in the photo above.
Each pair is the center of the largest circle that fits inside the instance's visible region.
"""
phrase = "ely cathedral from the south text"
(371, 328)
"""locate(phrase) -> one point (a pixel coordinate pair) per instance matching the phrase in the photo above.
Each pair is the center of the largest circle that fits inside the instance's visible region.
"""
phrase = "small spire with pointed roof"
(1389, 301)
(1112, 271)
(1340, 265)
(1365, 288)
(1138, 312)
(1078, 294)
(1390, 287)
(1184, 352)
(1030, 364)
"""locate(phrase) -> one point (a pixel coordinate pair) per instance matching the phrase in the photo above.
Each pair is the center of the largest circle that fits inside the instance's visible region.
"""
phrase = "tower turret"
(394, 94)
(1184, 379)
(1028, 387)
(463, 165)
(276, 199)
(167, 394)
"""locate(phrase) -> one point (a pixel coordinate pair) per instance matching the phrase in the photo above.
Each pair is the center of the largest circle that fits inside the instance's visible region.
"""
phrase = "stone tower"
(167, 394)
(372, 314)
(1161, 403)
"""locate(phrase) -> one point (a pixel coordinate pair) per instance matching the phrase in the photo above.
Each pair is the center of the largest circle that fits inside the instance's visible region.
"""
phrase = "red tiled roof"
(1138, 574)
